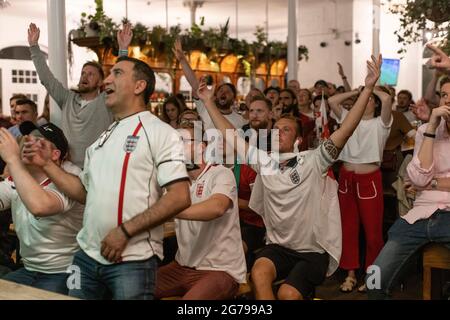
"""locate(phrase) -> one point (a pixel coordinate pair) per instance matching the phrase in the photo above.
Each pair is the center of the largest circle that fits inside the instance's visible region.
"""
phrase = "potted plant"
(419, 15)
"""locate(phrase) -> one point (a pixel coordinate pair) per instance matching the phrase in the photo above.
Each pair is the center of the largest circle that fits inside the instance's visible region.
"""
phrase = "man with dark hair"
(12, 103)
(273, 94)
(125, 172)
(225, 94)
(404, 102)
(288, 100)
(84, 114)
(46, 220)
(26, 110)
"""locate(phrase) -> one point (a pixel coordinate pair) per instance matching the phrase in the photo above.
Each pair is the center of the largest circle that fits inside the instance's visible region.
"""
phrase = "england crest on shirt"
(199, 190)
(130, 144)
(295, 178)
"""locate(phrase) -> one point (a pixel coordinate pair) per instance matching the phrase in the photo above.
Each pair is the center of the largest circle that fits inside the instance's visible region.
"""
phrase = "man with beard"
(288, 100)
(225, 94)
(260, 119)
(84, 114)
(404, 102)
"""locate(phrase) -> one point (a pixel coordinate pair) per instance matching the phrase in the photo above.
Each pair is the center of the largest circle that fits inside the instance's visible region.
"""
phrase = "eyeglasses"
(105, 135)
(187, 122)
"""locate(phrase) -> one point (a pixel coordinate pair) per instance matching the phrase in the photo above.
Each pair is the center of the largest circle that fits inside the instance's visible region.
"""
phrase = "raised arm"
(430, 92)
(39, 202)
(54, 87)
(351, 121)
(124, 37)
(188, 72)
(210, 209)
(336, 100)
(439, 59)
(220, 122)
(39, 154)
(386, 105)
(344, 78)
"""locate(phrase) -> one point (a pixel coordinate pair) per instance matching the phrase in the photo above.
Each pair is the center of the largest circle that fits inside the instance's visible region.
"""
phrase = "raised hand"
(124, 36)
(36, 151)
(9, 149)
(439, 59)
(341, 70)
(421, 110)
(373, 71)
(33, 34)
(178, 50)
(203, 92)
(437, 114)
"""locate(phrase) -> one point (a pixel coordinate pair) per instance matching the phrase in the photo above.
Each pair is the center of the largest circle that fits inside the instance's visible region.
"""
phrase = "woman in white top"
(360, 186)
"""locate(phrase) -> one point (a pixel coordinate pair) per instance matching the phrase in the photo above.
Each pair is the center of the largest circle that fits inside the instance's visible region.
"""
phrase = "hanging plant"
(416, 16)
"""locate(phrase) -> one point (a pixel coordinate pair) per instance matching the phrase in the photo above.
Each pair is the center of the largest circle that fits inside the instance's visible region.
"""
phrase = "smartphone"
(209, 81)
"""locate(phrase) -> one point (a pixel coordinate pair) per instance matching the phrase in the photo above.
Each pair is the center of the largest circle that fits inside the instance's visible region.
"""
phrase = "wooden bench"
(434, 256)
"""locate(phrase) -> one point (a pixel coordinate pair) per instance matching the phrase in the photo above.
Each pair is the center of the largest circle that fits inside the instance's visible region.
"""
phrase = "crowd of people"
(273, 189)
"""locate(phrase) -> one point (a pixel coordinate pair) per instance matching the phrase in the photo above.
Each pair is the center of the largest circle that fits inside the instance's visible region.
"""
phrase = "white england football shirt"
(289, 200)
(215, 244)
(124, 172)
(47, 244)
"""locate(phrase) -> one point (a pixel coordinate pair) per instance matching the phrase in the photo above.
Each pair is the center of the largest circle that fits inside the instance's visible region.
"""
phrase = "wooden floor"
(329, 290)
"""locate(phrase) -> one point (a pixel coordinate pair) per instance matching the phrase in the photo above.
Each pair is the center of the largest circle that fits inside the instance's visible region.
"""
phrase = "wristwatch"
(433, 184)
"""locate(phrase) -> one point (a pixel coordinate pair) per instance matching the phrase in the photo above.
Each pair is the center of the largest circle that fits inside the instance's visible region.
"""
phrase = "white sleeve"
(202, 112)
(6, 192)
(66, 202)
(224, 183)
(322, 157)
(168, 154)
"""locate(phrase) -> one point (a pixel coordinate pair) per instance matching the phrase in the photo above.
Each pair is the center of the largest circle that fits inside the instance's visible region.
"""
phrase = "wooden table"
(14, 291)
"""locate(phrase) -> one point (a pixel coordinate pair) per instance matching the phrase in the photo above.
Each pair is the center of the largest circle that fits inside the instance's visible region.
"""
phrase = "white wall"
(410, 74)
(315, 21)
(362, 24)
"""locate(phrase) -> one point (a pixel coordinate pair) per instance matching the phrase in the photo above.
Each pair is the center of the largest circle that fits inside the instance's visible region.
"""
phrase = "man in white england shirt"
(210, 262)
(46, 221)
(296, 200)
(125, 172)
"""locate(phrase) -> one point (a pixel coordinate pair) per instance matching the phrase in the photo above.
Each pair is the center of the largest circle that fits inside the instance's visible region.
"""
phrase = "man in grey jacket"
(84, 114)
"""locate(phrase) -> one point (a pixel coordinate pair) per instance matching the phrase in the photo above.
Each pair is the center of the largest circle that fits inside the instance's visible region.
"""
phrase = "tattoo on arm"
(331, 149)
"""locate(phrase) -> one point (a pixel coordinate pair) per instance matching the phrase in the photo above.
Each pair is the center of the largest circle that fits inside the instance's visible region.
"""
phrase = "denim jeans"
(55, 282)
(124, 281)
(404, 240)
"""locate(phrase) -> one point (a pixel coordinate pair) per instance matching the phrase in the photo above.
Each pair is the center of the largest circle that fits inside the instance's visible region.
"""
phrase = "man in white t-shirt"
(296, 200)
(210, 262)
(125, 172)
(46, 221)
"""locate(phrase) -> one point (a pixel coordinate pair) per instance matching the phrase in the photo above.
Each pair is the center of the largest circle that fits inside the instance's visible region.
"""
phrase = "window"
(23, 76)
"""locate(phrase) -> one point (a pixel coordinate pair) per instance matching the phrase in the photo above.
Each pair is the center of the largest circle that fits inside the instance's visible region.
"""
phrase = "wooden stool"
(434, 256)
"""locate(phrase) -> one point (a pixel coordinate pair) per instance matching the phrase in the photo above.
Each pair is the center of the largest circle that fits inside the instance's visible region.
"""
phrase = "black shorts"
(302, 270)
(253, 236)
